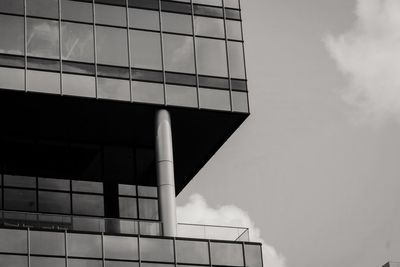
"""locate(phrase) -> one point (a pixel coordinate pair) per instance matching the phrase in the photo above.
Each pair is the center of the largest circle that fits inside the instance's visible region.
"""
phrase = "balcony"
(118, 226)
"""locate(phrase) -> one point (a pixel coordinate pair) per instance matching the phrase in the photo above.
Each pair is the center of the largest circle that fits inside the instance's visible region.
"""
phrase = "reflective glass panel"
(145, 50)
(13, 241)
(78, 68)
(178, 23)
(42, 81)
(127, 207)
(192, 252)
(208, 2)
(232, 14)
(113, 89)
(12, 78)
(208, 11)
(13, 261)
(12, 6)
(236, 60)
(181, 95)
(144, 19)
(127, 190)
(147, 75)
(176, 7)
(121, 264)
(239, 102)
(178, 53)
(55, 184)
(42, 38)
(226, 254)
(86, 186)
(147, 191)
(54, 202)
(211, 57)
(47, 243)
(148, 92)
(119, 247)
(214, 99)
(76, 11)
(110, 15)
(155, 265)
(12, 35)
(87, 204)
(47, 262)
(253, 255)
(84, 263)
(42, 8)
(209, 27)
(234, 30)
(112, 46)
(231, 3)
(156, 250)
(19, 199)
(148, 209)
(78, 42)
(19, 181)
(79, 85)
(82, 245)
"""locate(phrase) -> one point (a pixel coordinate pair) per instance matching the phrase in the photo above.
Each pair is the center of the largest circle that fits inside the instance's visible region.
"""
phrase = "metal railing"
(118, 226)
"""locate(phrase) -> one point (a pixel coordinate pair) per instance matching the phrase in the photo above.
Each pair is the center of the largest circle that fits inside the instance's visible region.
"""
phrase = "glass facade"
(102, 49)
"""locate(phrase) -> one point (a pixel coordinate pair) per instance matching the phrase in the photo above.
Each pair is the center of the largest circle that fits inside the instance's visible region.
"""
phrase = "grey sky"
(321, 185)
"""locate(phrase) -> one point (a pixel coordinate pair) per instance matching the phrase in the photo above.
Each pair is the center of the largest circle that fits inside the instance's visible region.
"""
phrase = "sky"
(314, 170)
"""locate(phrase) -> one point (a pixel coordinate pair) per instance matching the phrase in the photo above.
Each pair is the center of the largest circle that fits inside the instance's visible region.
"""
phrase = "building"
(391, 264)
(109, 108)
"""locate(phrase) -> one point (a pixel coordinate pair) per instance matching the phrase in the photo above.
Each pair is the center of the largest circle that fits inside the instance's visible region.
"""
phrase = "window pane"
(84, 263)
(239, 102)
(55, 184)
(148, 92)
(253, 255)
(110, 15)
(113, 89)
(208, 11)
(147, 191)
(77, 42)
(208, 2)
(12, 260)
(19, 199)
(234, 30)
(47, 243)
(12, 35)
(127, 208)
(121, 264)
(209, 27)
(155, 265)
(231, 3)
(127, 190)
(86, 186)
(13, 241)
(144, 19)
(119, 247)
(19, 181)
(112, 46)
(148, 209)
(12, 78)
(226, 254)
(42, 38)
(87, 205)
(178, 53)
(79, 85)
(54, 202)
(82, 245)
(181, 95)
(236, 60)
(42, 8)
(211, 55)
(76, 11)
(192, 252)
(156, 250)
(42, 81)
(145, 50)
(47, 262)
(214, 99)
(12, 6)
(178, 23)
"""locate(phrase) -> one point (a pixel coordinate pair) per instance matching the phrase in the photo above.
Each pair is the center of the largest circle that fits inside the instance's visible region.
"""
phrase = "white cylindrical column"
(165, 172)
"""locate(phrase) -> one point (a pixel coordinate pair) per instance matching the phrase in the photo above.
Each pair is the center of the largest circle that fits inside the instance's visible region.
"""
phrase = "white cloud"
(198, 212)
(369, 55)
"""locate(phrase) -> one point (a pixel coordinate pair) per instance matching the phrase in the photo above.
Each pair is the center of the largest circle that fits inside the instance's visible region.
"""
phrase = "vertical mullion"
(209, 253)
(28, 235)
(66, 247)
(25, 47)
(162, 50)
(244, 57)
(195, 55)
(129, 50)
(244, 254)
(227, 56)
(60, 46)
(95, 46)
(102, 250)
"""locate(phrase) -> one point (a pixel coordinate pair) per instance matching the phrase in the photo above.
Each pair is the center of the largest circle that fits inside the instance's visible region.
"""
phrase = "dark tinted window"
(127, 207)
(153, 4)
(12, 35)
(178, 78)
(54, 202)
(12, 6)
(176, 7)
(148, 209)
(208, 11)
(19, 199)
(87, 204)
